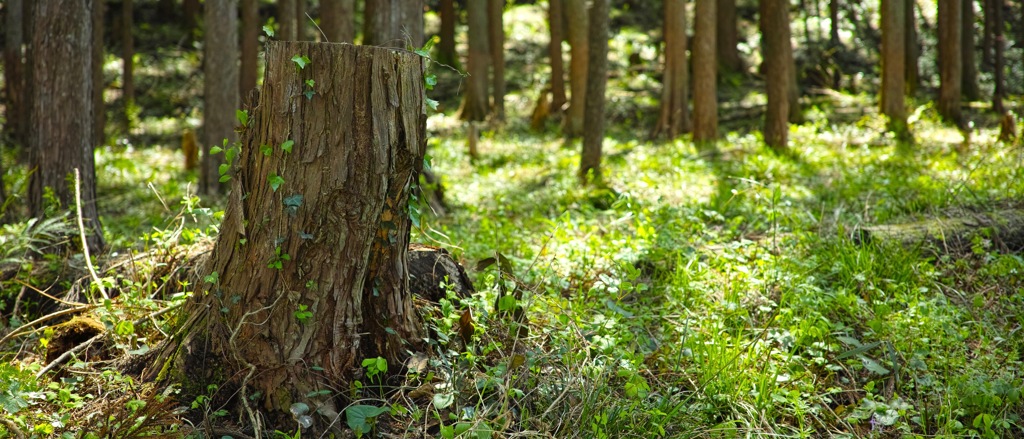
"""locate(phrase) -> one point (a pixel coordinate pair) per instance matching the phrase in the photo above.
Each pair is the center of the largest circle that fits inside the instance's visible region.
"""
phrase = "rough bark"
(496, 40)
(60, 135)
(555, 54)
(220, 89)
(999, 61)
(775, 30)
(393, 23)
(950, 67)
(99, 109)
(954, 233)
(128, 64)
(675, 112)
(894, 70)
(288, 25)
(575, 12)
(969, 80)
(250, 40)
(727, 38)
(332, 238)
(474, 103)
(446, 47)
(705, 94)
(597, 79)
(14, 71)
(911, 48)
(336, 20)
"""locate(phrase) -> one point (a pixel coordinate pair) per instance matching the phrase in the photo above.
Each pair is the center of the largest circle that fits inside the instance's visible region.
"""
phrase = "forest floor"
(699, 293)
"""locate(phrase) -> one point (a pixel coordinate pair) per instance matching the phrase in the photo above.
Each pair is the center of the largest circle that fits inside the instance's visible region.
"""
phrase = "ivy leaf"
(269, 30)
(301, 61)
(432, 104)
(430, 80)
(360, 416)
(275, 181)
(243, 117)
(308, 94)
(266, 150)
(287, 146)
(292, 203)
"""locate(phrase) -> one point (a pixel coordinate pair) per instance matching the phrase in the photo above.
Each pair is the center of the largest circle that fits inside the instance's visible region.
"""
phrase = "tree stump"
(953, 234)
(309, 275)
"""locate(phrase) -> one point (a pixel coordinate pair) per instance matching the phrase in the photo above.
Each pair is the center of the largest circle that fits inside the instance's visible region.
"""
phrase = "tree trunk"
(220, 89)
(288, 24)
(987, 7)
(323, 229)
(775, 30)
(969, 80)
(675, 113)
(575, 12)
(474, 103)
(14, 72)
(705, 94)
(950, 67)
(555, 54)
(910, 46)
(496, 39)
(999, 63)
(190, 9)
(60, 138)
(301, 22)
(394, 23)
(336, 20)
(250, 41)
(727, 38)
(597, 79)
(128, 65)
(893, 69)
(835, 44)
(99, 109)
(446, 47)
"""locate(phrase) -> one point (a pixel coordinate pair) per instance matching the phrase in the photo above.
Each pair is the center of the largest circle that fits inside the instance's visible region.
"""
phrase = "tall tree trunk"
(675, 112)
(288, 29)
(496, 40)
(575, 12)
(893, 69)
(190, 10)
(337, 20)
(301, 22)
(99, 109)
(705, 93)
(950, 67)
(987, 7)
(60, 138)
(334, 228)
(555, 28)
(835, 44)
(394, 23)
(969, 80)
(128, 64)
(998, 67)
(597, 78)
(14, 71)
(796, 114)
(220, 89)
(727, 38)
(250, 40)
(910, 46)
(775, 30)
(474, 103)
(446, 46)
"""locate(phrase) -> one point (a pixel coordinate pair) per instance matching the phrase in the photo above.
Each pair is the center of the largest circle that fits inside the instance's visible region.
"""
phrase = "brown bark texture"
(575, 12)
(288, 25)
(705, 93)
(597, 82)
(220, 88)
(555, 54)
(249, 43)
(999, 61)
(727, 38)
(950, 66)
(99, 109)
(337, 20)
(775, 30)
(496, 40)
(474, 102)
(675, 112)
(14, 71)
(394, 23)
(128, 63)
(969, 80)
(60, 137)
(911, 49)
(446, 46)
(894, 56)
(324, 226)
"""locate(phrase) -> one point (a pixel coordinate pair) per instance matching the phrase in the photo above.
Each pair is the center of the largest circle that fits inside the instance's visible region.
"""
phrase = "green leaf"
(223, 169)
(858, 350)
(430, 80)
(873, 366)
(125, 328)
(301, 61)
(443, 400)
(216, 149)
(293, 201)
(310, 83)
(275, 181)
(243, 117)
(360, 416)
(269, 30)
(212, 278)
(308, 94)
(287, 146)
(266, 150)
(224, 178)
(432, 104)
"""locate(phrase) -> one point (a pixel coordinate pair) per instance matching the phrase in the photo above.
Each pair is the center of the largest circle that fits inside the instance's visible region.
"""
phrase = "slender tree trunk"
(288, 23)
(576, 14)
(99, 109)
(727, 38)
(775, 30)
(987, 9)
(128, 64)
(394, 23)
(998, 67)
(675, 113)
(446, 46)
(301, 22)
(60, 138)
(496, 9)
(910, 46)
(334, 228)
(796, 114)
(14, 72)
(555, 28)
(597, 78)
(250, 40)
(893, 69)
(705, 94)
(950, 67)
(336, 20)
(835, 44)
(970, 70)
(474, 104)
(220, 89)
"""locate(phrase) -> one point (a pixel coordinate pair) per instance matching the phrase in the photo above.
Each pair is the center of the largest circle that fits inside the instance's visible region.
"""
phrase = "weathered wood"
(953, 234)
(309, 274)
